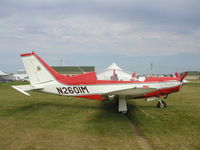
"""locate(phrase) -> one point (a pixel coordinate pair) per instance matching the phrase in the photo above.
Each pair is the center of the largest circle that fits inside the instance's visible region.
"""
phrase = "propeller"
(184, 75)
(182, 82)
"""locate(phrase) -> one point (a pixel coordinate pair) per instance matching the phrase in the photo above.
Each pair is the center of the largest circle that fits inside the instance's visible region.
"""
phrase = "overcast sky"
(132, 33)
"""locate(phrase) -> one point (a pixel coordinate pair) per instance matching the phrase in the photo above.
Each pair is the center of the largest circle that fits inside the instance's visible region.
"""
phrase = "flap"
(132, 92)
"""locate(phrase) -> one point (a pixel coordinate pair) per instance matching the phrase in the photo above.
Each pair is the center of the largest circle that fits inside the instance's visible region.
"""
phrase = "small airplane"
(44, 78)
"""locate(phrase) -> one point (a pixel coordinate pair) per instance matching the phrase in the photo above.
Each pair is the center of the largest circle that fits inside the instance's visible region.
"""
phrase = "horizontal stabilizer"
(24, 88)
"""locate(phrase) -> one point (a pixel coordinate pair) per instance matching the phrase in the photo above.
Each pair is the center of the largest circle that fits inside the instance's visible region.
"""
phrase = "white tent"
(21, 75)
(113, 66)
(3, 73)
(5, 77)
(114, 69)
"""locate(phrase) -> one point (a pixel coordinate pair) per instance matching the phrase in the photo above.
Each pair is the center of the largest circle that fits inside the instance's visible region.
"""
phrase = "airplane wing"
(132, 92)
(24, 88)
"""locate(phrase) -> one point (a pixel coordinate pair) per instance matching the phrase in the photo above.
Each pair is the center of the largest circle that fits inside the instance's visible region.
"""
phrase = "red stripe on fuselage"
(162, 92)
(95, 97)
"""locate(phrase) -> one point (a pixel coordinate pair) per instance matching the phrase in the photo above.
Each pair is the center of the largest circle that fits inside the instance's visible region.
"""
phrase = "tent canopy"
(3, 73)
(120, 74)
(113, 66)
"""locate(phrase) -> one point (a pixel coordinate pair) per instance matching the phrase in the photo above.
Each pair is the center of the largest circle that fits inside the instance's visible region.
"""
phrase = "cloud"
(98, 26)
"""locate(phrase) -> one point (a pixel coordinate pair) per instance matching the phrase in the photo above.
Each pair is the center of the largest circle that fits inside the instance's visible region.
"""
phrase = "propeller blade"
(184, 75)
(177, 75)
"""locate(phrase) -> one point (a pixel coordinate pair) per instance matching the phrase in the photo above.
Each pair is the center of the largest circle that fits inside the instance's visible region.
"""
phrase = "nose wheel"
(161, 104)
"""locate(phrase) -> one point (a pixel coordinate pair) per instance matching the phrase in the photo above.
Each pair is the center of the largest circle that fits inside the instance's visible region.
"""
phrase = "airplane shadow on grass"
(108, 107)
(37, 106)
(105, 107)
(103, 117)
(108, 121)
(98, 118)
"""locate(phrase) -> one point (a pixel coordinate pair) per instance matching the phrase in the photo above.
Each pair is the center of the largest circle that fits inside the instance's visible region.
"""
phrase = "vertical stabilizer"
(36, 69)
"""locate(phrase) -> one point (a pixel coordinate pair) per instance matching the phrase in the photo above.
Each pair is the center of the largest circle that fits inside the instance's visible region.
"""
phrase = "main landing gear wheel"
(161, 104)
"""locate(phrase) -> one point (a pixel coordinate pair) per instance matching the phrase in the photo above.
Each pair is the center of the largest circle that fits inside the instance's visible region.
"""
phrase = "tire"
(161, 104)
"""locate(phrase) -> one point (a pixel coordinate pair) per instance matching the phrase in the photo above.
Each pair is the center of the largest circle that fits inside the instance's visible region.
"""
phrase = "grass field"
(45, 121)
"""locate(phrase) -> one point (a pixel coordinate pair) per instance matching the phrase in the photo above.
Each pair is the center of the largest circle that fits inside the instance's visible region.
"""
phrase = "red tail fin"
(40, 72)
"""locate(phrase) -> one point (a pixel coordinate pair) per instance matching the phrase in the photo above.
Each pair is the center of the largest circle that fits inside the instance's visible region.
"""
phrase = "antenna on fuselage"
(80, 69)
(61, 64)
(151, 64)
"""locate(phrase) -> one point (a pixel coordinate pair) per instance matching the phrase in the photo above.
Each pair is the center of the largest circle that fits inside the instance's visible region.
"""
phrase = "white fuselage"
(55, 87)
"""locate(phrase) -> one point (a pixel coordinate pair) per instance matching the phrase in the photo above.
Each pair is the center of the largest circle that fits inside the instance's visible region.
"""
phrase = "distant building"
(192, 75)
(73, 70)
(21, 75)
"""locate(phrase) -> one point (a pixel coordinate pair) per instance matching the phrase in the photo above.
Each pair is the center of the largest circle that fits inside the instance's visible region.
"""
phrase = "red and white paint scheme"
(42, 77)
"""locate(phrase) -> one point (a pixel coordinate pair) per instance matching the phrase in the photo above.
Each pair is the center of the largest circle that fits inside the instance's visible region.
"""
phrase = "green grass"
(45, 121)
(177, 126)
